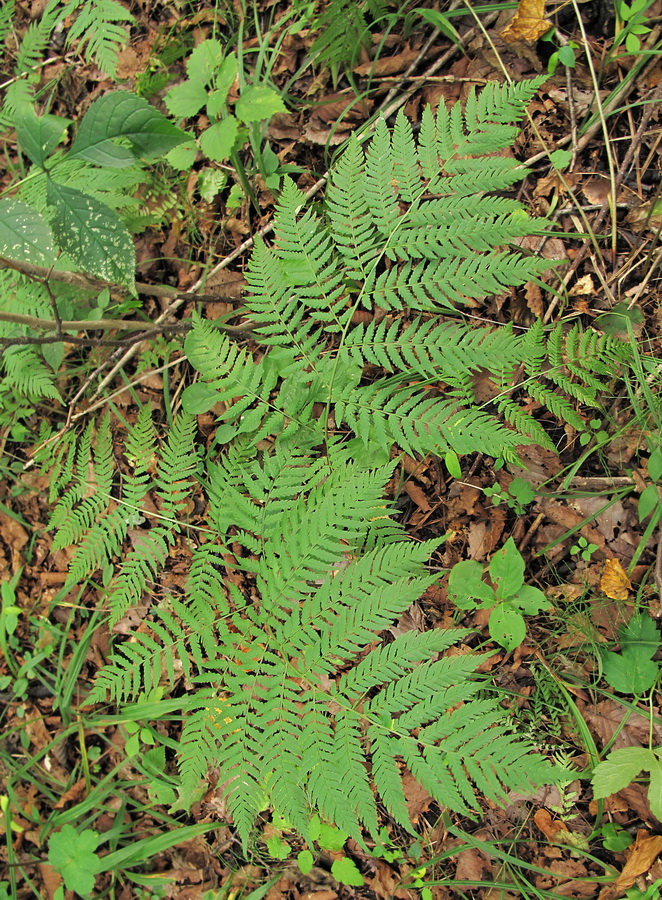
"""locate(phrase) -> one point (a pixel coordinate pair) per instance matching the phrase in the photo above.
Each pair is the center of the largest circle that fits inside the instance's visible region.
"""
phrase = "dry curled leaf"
(614, 583)
(529, 23)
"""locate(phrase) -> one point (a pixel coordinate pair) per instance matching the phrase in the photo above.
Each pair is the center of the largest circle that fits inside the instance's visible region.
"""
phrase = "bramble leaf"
(92, 234)
(38, 135)
(122, 114)
(258, 102)
(24, 234)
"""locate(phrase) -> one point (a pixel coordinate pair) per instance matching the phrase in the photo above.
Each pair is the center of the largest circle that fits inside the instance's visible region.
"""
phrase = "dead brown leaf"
(606, 717)
(529, 23)
(388, 65)
(615, 582)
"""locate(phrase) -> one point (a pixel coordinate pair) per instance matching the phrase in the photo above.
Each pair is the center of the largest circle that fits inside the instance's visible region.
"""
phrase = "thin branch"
(88, 283)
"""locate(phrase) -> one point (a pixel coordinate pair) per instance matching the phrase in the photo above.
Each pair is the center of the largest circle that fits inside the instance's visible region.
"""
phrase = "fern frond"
(82, 517)
(100, 28)
(28, 374)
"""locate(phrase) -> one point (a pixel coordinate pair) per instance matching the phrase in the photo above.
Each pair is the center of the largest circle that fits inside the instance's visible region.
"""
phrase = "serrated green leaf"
(186, 99)
(630, 672)
(92, 235)
(124, 115)
(222, 84)
(619, 769)
(641, 632)
(182, 157)
(331, 838)
(258, 102)
(38, 135)
(203, 61)
(345, 871)
(218, 140)
(507, 570)
(24, 234)
(71, 853)
(507, 626)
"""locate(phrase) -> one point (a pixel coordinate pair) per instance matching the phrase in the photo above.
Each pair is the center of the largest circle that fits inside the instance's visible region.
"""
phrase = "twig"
(88, 283)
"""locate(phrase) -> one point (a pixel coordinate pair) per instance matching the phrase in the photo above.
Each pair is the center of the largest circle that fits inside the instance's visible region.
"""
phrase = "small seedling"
(583, 548)
(614, 838)
(517, 495)
(510, 597)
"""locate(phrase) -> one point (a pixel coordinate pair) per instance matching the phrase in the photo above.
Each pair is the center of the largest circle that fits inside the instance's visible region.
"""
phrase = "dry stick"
(386, 110)
(87, 283)
(620, 176)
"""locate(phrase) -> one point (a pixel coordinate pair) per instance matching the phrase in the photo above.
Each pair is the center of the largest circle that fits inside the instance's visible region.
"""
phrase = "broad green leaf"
(331, 838)
(619, 769)
(507, 570)
(452, 462)
(92, 235)
(183, 157)
(507, 626)
(24, 234)
(222, 84)
(38, 135)
(124, 115)
(641, 632)
(199, 398)
(655, 787)
(655, 465)
(186, 99)
(218, 140)
(204, 60)
(258, 102)
(560, 158)
(305, 861)
(346, 872)
(277, 847)
(71, 853)
(630, 672)
(530, 600)
(466, 585)
(648, 500)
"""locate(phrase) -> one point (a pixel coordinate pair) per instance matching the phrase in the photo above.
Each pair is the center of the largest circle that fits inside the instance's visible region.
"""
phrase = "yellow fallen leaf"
(529, 23)
(614, 583)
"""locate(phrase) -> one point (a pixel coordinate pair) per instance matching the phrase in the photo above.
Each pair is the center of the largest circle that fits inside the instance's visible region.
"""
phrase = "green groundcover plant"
(288, 688)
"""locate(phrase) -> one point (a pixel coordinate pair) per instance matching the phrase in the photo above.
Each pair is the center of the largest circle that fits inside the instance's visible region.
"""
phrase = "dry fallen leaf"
(529, 23)
(614, 583)
(641, 855)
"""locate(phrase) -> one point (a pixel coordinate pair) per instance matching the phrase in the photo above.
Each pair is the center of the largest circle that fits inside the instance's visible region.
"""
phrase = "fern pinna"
(290, 689)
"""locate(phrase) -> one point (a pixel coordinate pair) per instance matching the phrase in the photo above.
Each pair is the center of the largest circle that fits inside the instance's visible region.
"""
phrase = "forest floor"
(574, 516)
